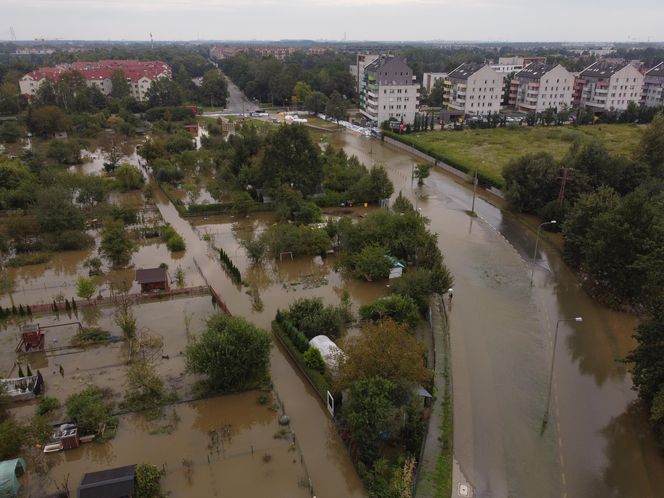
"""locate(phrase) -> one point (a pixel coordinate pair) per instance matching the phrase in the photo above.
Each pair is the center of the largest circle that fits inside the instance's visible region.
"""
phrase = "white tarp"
(327, 349)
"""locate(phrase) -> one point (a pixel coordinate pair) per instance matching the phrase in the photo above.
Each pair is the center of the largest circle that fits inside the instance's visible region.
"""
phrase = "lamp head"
(578, 319)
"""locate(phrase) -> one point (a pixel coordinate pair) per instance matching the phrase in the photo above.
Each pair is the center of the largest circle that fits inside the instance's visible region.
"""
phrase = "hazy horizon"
(436, 21)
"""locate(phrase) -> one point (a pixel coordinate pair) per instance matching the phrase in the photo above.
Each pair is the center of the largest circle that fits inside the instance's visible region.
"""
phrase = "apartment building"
(139, 74)
(653, 86)
(430, 79)
(389, 90)
(540, 86)
(473, 88)
(608, 85)
(357, 69)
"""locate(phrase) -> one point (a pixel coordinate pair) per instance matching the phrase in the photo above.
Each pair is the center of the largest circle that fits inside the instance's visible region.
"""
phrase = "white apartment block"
(507, 65)
(539, 86)
(389, 91)
(608, 86)
(357, 69)
(139, 75)
(653, 86)
(430, 79)
(473, 89)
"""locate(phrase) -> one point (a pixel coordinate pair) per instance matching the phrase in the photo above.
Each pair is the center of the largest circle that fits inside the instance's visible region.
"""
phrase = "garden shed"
(10, 471)
(111, 483)
(152, 279)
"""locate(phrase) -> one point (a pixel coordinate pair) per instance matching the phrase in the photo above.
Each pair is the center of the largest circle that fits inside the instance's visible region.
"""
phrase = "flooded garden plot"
(227, 446)
(205, 448)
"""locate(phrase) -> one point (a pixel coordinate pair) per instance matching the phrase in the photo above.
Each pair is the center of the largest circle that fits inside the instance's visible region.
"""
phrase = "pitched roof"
(535, 70)
(658, 70)
(151, 275)
(465, 70)
(110, 483)
(386, 60)
(99, 70)
(603, 69)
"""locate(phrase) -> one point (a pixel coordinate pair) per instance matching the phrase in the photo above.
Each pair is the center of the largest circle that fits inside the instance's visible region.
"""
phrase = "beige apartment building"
(608, 85)
(473, 89)
(539, 86)
(653, 86)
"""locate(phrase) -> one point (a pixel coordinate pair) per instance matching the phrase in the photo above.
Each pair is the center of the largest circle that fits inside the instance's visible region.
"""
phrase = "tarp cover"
(9, 484)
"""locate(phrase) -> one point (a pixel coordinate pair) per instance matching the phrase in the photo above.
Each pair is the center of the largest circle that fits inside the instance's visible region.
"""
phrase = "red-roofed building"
(139, 74)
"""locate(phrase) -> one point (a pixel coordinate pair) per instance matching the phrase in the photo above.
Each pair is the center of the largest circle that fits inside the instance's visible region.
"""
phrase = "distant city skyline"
(332, 20)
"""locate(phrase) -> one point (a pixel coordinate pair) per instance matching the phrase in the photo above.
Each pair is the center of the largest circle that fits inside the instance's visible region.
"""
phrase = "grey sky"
(484, 20)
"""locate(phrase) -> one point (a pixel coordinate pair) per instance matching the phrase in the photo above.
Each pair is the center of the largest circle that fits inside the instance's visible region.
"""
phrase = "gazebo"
(10, 470)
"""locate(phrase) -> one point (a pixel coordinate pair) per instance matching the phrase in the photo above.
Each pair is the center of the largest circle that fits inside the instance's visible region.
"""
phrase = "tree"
(85, 287)
(116, 246)
(145, 389)
(231, 352)
(417, 284)
(291, 157)
(373, 187)
(9, 132)
(163, 93)
(316, 102)
(384, 349)
(119, 86)
(47, 120)
(422, 172)
(129, 177)
(92, 190)
(401, 309)
(531, 181)
(436, 96)
(124, 316)
(371, 263)
(651, 147)
(89, 409)
(313, 360)
(242, 203)
(56, 213)
(368, 413)
(301, 91)
(214, 89)
(336, 107)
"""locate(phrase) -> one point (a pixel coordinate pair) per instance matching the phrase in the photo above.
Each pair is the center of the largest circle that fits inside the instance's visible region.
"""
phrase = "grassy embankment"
(492, 149)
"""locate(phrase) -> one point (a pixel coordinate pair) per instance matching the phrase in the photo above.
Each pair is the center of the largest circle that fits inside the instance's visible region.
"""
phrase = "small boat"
(53, 447)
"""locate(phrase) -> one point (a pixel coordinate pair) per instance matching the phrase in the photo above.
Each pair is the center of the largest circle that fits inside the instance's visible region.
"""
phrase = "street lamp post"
(472, 209)
(532, 264)
(545, 421)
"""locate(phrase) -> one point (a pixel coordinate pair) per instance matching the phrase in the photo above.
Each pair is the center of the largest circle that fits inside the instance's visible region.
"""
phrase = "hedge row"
(298, 339)
(483, 178)
(230, 267)
(320, 382)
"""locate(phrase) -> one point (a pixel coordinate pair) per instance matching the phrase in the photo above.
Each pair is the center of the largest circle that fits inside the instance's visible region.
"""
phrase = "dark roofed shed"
(151, 279)
(112, 483)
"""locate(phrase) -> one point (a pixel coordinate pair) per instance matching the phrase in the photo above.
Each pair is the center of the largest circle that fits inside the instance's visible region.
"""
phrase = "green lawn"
(492, 149)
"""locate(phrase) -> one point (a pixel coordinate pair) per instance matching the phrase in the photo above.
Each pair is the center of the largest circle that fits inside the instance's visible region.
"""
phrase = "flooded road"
(598, 442)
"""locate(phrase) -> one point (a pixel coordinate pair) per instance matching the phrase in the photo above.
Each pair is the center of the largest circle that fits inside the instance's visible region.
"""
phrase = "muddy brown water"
(598, 442)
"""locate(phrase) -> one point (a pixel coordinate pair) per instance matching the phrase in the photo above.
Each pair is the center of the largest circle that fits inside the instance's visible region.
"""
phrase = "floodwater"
(598, 442)
(244, 460)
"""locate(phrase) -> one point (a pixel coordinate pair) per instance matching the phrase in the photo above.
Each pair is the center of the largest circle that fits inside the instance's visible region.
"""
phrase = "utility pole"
(472, 209)
(563, 181)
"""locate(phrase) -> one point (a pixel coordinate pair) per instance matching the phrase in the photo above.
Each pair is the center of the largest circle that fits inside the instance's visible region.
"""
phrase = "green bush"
(89, 409)
(11, 439)
(372, 263)
(313, 360)
(46, 405)
(173, 240)
(147, 481)
(312, 318)
(395, 306)
(28, 259)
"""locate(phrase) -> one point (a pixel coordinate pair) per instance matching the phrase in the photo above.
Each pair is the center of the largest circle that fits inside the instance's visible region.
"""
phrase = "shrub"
(371, 263)
(312, 318)
(89, 409)
(314, 360)
(28, 259)
(46, 405)
(147, 481)
(396, 307)
(11, 439)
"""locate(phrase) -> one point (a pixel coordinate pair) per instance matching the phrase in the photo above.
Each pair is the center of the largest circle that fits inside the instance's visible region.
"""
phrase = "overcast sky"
(483, 20)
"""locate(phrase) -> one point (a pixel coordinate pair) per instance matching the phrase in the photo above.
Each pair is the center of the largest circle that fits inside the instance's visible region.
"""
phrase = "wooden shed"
(152, 279)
